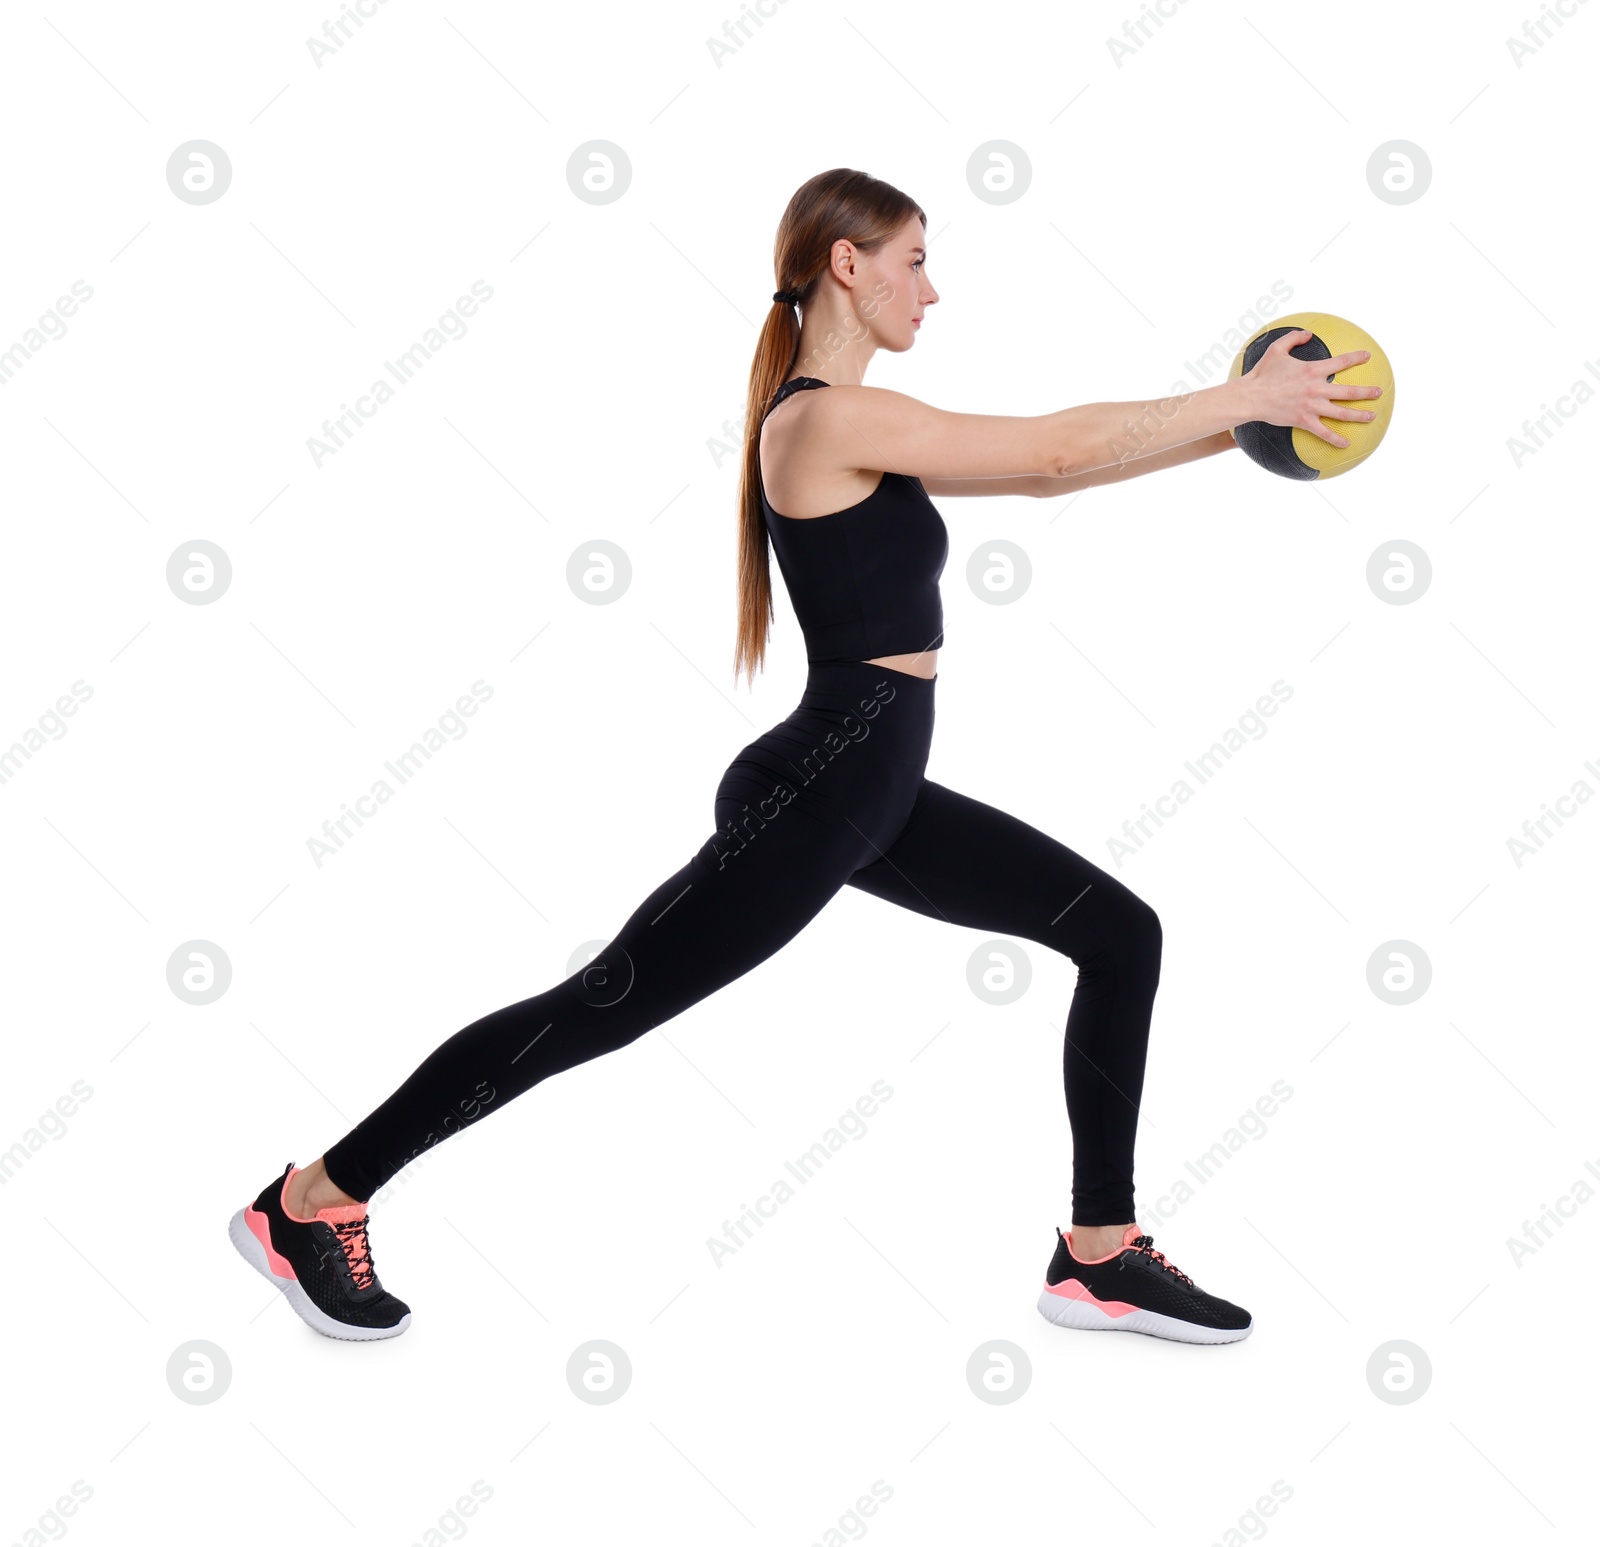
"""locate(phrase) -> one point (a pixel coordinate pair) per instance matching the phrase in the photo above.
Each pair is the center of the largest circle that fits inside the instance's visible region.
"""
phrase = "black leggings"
(833, 795)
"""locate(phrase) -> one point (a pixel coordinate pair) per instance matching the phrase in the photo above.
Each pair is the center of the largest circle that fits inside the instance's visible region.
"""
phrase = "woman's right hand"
(1297, 393)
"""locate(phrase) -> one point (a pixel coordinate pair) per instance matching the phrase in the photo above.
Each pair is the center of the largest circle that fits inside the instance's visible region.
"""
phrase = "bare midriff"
(922, 663)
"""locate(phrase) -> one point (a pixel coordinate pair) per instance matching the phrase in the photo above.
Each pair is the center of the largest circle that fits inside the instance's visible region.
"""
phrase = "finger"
(1355, 357)
(1348, 392)
(1333, 438)
(1361, 415)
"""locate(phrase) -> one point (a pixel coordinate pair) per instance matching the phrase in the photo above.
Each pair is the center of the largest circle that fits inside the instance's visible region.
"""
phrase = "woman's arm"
(866, 428)
(1043, 487)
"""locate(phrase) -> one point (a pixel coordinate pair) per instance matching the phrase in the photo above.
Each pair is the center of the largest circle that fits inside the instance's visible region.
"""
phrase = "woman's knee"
(1124, 932)
(1144, 932)
(1144, 929)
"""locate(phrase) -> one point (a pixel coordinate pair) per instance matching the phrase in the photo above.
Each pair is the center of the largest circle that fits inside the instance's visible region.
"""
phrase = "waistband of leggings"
(847, 675)
(897, 704)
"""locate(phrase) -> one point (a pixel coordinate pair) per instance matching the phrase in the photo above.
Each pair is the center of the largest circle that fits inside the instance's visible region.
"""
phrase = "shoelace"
(357, 1251)
(1145, 1246)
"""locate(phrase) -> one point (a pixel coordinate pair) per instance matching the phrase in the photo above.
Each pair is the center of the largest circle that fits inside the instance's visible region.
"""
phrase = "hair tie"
(786, 297)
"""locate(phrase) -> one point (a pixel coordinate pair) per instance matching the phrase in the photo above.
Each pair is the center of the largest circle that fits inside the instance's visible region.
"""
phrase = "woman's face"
(897, 292)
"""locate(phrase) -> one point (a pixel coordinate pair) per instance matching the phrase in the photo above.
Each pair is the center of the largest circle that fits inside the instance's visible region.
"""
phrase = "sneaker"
(1135, 1289)
(322, 1264)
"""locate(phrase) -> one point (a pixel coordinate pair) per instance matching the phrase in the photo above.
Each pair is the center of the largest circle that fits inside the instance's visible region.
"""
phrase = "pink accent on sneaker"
(1073, 1289)
(343, 1213)
(1129, 1236)
(257, 1223)
(349, 1222)
(334, 1214)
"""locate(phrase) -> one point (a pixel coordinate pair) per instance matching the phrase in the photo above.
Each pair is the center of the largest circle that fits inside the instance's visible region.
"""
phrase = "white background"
(1168, 193)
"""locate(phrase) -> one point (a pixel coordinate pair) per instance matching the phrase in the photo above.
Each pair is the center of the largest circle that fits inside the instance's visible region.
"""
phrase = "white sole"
(253, 1252)
(1080, 1314)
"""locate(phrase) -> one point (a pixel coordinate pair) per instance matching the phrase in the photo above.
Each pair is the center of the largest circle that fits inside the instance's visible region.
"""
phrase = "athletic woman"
(837, 477)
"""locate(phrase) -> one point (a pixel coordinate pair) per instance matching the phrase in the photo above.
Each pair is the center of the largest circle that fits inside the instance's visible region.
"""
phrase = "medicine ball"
(1292, 452)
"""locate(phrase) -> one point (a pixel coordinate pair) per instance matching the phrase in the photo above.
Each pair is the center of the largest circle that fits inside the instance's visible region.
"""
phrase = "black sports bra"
(864, 580)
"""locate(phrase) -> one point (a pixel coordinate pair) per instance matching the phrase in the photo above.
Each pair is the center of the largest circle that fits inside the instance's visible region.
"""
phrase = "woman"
(835, 794)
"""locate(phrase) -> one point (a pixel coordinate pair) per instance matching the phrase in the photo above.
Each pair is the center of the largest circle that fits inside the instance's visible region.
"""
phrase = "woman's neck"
(834, 349)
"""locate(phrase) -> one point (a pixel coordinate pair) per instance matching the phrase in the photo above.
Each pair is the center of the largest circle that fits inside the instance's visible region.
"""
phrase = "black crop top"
(864, 581)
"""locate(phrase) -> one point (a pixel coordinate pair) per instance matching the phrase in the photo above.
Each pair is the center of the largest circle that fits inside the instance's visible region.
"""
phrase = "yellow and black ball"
(1292, 452)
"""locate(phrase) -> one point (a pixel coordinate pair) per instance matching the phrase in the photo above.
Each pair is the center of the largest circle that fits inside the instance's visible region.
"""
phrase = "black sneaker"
(322, 1264)
(1135, 1289)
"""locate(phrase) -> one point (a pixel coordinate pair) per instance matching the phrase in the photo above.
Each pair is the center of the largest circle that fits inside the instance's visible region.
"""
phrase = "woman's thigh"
(741, 897)
(969, 863)
(797, 815)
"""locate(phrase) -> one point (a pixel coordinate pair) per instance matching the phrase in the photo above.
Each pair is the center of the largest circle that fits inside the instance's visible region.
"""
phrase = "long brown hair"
(835, 205)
